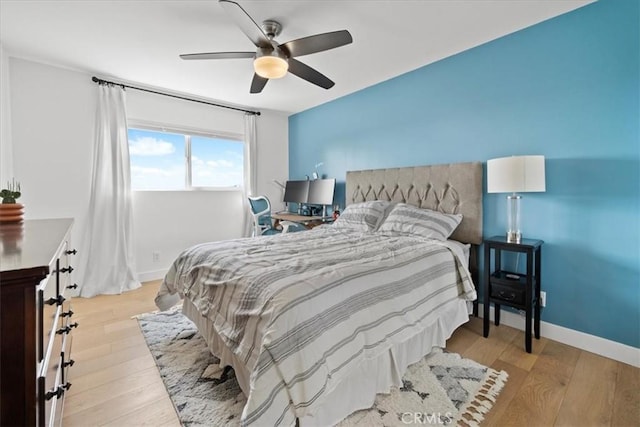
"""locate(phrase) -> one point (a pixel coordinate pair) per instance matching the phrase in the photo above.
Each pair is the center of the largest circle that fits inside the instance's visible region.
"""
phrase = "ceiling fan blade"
(218, 55)
(309, 74)
(317, 43)
(258, 83)
(246, 23)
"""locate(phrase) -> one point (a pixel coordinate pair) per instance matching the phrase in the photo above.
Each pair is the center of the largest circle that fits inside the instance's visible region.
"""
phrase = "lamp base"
(514, 237)
(513, 218)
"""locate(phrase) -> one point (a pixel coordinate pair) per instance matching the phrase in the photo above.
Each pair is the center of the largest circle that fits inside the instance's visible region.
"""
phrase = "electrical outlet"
(156, 256)
(543, 299)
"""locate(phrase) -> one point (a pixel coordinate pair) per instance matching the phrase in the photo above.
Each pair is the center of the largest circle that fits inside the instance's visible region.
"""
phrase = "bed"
(316, 323)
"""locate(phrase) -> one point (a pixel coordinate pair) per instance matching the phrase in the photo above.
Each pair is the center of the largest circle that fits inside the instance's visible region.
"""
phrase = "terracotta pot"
(11, 212)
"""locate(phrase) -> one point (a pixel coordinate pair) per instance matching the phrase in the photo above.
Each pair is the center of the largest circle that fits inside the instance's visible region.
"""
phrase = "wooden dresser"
(35, 321)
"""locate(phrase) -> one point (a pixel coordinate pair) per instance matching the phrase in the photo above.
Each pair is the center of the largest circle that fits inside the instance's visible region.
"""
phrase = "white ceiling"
(139, 41)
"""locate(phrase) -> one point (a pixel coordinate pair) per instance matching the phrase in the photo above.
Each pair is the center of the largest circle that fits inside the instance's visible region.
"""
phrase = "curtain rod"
(101, 81)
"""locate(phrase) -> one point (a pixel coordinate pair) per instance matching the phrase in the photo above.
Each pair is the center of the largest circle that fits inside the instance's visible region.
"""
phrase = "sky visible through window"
(158, 161)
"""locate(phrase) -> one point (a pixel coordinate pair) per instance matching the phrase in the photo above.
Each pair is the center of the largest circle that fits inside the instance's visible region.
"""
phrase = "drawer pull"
(74, 286)
(507, 296)
(57, 300)
(67, 313)
(66, 386)
(69, 363)
(71, 252)
(57, 393)
(66, 269)
(67, 329)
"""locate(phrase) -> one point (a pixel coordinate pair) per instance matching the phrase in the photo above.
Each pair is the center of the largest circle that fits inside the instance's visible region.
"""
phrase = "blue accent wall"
(567, 88)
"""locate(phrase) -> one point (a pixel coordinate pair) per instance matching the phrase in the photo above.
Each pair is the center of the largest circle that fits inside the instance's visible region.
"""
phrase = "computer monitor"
(296, 191)
(321, 192)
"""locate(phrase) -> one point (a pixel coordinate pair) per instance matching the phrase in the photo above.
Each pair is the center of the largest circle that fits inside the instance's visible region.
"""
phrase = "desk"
(306, 220)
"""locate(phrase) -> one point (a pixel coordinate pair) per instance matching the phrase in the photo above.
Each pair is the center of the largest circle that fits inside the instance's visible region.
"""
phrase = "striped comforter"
(301, 309)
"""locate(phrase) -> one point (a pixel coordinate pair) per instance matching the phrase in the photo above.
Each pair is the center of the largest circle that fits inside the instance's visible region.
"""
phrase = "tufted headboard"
(449, 188)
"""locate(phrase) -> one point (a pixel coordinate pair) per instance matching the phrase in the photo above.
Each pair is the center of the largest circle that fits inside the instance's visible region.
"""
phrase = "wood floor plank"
(95, 318)
(98, 335)
(515, 355)
(105, 411)
(109, 374)
(113, 357)
(81, 354)
(537, 401)
(463, 339)
(626, 401)
(156, 414)
(589, 398)
(487, 351)
(95, 396)
(511, 388)
(558, 359)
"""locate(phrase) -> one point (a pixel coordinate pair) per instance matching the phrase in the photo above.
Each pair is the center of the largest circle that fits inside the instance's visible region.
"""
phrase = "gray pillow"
(409, 219)
(365, 216)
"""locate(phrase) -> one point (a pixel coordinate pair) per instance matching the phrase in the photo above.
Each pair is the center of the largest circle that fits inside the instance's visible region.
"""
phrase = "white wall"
(52, 132)
(6, 154)
(273, 156)
(52, 117)
(169, 221)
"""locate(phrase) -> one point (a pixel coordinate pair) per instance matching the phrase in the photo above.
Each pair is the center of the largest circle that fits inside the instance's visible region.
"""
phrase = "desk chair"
(262, 221)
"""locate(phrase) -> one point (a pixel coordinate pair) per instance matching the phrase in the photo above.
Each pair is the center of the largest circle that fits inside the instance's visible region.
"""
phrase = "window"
(176, 160)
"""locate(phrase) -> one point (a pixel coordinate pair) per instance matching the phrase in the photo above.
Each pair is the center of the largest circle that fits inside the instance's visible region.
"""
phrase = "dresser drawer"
(67, 326)
(50, 374)
(50, 296)
(64, 270)
(53, 381)
(65, 363)
(47, 312)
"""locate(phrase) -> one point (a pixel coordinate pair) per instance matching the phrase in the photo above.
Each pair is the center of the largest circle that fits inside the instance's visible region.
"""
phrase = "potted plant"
(10, 210)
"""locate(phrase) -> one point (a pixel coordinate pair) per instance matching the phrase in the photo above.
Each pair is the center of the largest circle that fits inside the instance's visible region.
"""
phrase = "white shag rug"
(441, 389)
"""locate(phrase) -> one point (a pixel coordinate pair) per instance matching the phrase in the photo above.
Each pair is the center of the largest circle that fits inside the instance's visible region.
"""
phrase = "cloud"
(144, 171)
(149, 146)
(220, 163)
(237, 155)
(216, 173)
(196, 161)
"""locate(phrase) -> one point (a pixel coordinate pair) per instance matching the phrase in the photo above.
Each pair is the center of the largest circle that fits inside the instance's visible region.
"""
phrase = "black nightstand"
(521, 291)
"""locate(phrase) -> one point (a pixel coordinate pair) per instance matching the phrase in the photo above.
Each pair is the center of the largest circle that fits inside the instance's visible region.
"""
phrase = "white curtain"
(250, 168)
(107, 252)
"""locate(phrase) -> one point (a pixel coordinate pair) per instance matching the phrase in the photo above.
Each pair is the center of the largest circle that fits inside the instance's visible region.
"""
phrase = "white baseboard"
(148, 276)
(604, 347)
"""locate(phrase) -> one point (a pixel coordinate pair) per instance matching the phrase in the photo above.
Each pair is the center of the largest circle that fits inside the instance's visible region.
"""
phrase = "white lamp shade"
(517, 174)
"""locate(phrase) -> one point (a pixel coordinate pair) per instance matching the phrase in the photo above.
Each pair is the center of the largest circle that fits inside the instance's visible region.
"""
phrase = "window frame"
(188, 132)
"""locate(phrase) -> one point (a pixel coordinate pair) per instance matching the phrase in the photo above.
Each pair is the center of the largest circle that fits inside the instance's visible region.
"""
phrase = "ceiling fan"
(273, 60)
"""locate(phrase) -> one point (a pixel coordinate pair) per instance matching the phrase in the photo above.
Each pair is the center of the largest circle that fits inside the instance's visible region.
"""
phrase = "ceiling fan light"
(270, 67)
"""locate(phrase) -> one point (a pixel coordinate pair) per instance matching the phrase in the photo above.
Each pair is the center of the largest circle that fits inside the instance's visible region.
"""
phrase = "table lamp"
(517, 174)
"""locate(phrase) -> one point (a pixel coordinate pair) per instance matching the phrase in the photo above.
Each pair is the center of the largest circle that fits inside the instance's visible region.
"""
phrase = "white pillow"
(409, 219)
(365, 216)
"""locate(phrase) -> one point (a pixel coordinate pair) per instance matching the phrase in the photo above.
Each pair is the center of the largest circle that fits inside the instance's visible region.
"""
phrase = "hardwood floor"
(115, 380)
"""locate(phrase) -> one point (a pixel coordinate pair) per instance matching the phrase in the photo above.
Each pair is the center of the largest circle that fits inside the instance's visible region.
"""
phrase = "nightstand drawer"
(510, 294)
